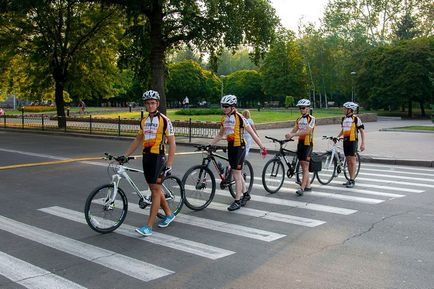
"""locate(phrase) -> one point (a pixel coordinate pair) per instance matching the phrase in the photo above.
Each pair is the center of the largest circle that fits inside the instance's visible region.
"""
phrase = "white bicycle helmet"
(151, 94)
(229, 100)
(303, 102)
(351, 105)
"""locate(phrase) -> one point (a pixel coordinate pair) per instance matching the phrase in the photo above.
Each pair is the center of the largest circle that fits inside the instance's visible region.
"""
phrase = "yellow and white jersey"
(234, 125)
(155, 130)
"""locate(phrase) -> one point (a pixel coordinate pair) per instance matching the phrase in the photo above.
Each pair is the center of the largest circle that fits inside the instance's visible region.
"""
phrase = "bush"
(212, 111)
(38, 108)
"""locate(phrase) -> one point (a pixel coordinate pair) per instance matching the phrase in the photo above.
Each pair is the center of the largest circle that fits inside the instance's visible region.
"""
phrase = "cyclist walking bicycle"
(351, 126)
(155, 130)
(233, 125)
(303, 129)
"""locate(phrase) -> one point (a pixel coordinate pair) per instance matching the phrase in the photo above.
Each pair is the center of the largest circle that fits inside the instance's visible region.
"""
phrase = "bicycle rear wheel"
(273, 175)
(328, 169)
(173, 191)
(299, 174)
(199, 185)
(102, 213)
(358, 163)
(248, 177)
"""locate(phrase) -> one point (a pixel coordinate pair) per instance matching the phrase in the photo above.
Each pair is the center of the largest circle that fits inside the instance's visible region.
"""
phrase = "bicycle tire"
(299, 175)
(174, 184)
(358, 164)
(276, 175)
(248, 176)
(199, 191)
(101, 216)
(328, 169)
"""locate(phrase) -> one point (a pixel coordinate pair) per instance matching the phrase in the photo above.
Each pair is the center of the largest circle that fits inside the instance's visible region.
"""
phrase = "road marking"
(326, 187)
(267, 215)
(219, 226)
(399, 172)
(124, 264)
(289, 203)
(46, 163)
(411, 168)
(30, 276)
(398, 177)
(384, 187)
(165, 240)
(392, 181)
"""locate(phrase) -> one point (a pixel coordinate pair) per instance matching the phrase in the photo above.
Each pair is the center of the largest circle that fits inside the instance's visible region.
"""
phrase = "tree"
(57, 36)
(245, 84)
(283, 71)
(188, 78)
(232, 61)
(399, 74)
(208, 25)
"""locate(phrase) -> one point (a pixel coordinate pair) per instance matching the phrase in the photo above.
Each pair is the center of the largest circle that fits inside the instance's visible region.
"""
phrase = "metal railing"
(97, 126)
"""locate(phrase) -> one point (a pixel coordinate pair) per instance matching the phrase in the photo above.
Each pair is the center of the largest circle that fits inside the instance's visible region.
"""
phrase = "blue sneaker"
(144, 231)
(166, 221)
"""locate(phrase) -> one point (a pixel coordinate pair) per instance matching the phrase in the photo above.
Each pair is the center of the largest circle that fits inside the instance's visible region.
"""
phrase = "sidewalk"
(383, 146)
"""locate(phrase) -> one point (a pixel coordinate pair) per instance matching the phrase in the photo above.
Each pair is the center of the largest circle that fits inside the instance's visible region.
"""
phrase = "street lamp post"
(353, 73)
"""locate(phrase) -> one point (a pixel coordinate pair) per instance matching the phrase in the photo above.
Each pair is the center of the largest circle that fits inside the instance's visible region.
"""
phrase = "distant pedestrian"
(2, 112)
(351, 126)
(82, 106)
(247, 135)
(186, 102)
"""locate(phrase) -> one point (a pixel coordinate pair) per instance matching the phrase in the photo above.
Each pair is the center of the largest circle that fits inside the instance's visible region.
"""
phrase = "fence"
(98, 126)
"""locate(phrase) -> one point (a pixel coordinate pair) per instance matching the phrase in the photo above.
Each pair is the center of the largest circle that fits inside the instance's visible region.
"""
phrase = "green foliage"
(289, 101)
(283, 70)
(395, 75)
(199, 111)
(37, 108)
(188, 78)
(245, 84)
(231, 61)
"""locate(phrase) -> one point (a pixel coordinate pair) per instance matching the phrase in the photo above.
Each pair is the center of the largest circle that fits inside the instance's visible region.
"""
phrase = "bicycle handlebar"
(210, 148)
(119, 159)
(333, 138)
(283, 141)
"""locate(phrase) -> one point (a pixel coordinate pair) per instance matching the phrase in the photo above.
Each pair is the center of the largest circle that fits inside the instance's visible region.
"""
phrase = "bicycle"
(333, 163)
(107, 205)
(200, 183)
(273, 173)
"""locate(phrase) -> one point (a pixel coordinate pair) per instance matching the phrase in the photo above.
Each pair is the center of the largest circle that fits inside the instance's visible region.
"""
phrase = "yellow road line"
(68, 161)
(49, 163)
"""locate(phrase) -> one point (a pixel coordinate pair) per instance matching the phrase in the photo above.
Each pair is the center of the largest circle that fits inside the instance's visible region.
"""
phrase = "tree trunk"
(158, 48)
(410, 109)
(422, 109)
(59, 79)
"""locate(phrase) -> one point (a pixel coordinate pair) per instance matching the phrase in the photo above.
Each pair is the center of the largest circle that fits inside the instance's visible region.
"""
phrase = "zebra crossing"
(376, 184)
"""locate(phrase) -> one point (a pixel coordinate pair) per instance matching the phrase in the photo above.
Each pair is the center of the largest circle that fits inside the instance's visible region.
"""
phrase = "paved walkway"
(382, 145)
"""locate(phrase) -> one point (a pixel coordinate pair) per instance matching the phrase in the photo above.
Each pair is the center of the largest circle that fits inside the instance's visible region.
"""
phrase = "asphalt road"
(377, 235)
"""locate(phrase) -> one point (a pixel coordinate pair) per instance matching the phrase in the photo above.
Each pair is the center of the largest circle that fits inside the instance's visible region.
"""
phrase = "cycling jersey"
(234, 125)
(350, 127)
(302, 123)
(155, 130)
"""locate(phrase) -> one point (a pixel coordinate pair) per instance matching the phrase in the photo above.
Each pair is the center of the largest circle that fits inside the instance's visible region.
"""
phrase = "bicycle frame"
(211, 158)
(121, 173)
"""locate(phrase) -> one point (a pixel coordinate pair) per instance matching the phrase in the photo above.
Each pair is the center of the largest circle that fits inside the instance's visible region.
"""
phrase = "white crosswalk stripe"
(32, 277)
(124, 264)
(191, 247)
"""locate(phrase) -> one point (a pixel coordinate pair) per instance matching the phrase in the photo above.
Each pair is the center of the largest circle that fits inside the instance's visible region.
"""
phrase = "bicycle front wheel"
(199, 185)
(173, 191)
(273, 175)
(358, 163)
(328, 169)
(248, 177)
(103, 213)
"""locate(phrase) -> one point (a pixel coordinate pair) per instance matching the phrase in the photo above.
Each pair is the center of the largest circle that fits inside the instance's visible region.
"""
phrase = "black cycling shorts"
(152, 167)
(350, 148)
(304, 151)
(236, 157)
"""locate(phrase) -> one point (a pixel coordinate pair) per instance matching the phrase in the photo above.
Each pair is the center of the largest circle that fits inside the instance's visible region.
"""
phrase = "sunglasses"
(302, 107)
(226, 105)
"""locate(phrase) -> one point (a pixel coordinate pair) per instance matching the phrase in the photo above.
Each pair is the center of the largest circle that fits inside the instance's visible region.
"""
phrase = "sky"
(290, 11)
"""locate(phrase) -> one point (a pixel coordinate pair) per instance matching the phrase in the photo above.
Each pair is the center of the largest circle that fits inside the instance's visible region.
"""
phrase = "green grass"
(263, 116)
(416, 128)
